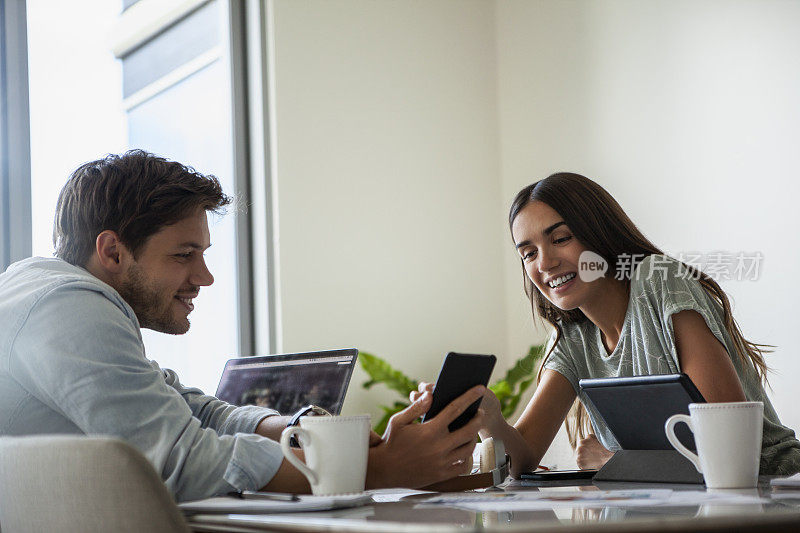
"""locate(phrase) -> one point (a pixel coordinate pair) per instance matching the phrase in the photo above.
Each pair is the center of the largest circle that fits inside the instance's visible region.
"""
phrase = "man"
(130, 232)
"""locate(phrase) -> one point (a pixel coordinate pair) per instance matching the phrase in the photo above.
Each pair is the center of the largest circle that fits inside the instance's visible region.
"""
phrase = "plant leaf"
(524, 367)
(380, 371)
(518, 378)
(501, 389)
(513, 401)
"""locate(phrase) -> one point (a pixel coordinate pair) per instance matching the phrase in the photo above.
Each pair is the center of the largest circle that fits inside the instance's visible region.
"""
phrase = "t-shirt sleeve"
(671, 288)
(89, 366)
(560, 361)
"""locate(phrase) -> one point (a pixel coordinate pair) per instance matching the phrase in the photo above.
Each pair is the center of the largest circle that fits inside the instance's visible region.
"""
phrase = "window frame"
(15, 146)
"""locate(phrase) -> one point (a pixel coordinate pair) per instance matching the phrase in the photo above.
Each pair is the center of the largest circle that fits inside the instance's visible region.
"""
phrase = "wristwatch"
(308, 410)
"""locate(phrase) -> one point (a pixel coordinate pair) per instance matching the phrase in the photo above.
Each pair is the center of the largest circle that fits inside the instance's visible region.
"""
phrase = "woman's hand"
(591, 454)
(422, 389)
(494, 421)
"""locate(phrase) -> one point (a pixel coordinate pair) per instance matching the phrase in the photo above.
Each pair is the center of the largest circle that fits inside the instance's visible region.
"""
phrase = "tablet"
(635, 409)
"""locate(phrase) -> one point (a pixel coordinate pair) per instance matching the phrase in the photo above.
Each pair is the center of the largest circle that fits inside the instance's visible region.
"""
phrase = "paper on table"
(791, 481)
(227, 504)
(536, 501)
(394, 495)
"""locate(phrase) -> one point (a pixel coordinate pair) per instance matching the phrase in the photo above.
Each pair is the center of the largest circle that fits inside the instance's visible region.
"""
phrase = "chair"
(77, 484)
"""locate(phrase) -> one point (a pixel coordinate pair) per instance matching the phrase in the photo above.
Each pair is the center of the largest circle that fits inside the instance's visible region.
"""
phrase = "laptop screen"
(287, 382)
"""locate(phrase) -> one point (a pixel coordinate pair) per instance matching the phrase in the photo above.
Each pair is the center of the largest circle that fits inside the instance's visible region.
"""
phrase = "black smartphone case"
(460, 372)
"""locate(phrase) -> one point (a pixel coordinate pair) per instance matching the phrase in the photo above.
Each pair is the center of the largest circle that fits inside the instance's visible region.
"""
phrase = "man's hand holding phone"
(415, 455)
(489, 410)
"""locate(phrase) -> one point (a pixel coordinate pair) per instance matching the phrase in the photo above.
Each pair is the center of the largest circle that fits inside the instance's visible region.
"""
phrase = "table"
(779, 511)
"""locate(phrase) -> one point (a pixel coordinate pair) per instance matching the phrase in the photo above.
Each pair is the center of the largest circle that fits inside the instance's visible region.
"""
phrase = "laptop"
(288, 382)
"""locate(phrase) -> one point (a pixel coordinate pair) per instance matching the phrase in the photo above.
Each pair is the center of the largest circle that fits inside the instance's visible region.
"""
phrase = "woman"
(656, 316)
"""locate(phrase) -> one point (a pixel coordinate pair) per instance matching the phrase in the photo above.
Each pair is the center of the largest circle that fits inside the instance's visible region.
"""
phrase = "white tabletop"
(529, 506)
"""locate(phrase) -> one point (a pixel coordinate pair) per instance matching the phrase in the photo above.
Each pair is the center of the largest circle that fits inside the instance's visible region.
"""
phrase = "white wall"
(688, 112)
(387, 182)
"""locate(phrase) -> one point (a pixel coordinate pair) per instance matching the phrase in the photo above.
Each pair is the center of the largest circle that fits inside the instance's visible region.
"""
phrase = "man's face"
(168, 274)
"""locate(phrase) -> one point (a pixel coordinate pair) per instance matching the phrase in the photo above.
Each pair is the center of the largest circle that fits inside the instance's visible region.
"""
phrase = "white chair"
(77, 484)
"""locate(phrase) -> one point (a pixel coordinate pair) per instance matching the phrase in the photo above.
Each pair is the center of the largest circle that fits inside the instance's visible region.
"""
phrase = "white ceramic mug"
(335, 448)
(728, 439)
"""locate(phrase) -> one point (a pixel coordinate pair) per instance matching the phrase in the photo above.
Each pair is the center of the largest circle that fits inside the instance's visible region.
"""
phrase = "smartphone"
(460, 372)
(553, 475)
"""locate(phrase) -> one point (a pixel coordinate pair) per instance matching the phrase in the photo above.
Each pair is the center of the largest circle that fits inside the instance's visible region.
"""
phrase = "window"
(75, 110)
(177, 99)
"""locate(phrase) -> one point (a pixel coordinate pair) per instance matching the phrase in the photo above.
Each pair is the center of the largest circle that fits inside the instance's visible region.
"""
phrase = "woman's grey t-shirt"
(661, 287)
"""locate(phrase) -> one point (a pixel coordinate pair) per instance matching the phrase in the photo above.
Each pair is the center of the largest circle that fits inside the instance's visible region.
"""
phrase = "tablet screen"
(635, 409)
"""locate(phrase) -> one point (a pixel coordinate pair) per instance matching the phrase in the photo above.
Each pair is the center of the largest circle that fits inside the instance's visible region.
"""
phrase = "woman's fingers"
(421, 389)
(425, 386)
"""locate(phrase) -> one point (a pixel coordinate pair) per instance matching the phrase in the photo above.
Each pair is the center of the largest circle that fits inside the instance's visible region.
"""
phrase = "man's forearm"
(272, 426)
(289, 479)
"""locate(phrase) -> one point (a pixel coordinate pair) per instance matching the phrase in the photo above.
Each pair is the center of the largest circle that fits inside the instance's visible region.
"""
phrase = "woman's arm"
(704, 359)
(527, 441)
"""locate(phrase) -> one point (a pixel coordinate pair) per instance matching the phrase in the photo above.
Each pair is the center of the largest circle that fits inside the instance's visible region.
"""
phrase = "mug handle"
(286, 448)
(669, 428)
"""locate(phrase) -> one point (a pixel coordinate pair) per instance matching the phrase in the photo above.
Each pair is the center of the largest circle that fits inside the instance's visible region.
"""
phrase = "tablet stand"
(651, 466)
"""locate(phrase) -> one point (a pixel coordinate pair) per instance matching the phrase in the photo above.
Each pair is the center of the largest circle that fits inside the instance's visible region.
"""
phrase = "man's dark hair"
(135, 195)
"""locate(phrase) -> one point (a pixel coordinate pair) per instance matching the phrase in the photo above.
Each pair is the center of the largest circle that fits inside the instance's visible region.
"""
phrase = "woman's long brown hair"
(600, 224)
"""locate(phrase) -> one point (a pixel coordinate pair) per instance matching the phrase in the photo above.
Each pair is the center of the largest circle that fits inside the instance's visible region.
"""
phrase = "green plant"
(509, 389)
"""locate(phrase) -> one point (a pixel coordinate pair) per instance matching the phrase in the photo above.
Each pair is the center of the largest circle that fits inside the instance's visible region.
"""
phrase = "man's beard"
(147, 301)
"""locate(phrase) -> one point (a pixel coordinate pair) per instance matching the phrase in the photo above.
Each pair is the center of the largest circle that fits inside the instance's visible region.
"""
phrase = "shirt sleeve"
(224, 418)
(560, 361)
(673, 288)
(80, 352)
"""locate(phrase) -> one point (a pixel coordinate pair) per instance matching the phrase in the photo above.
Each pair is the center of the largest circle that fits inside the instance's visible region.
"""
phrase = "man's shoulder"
(40, 274)
(50, 267)
(31, 281)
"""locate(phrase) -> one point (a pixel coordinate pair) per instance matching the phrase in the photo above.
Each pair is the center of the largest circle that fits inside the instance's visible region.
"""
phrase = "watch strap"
(308, 410)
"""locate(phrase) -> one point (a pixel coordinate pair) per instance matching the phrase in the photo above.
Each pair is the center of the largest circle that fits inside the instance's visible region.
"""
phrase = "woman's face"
(550, 254)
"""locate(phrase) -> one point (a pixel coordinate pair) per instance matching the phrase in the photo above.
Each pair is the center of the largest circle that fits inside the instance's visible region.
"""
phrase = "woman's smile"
(560, 283)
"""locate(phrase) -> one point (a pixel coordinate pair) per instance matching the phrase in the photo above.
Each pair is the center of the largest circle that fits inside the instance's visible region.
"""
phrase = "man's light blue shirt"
(72, 360)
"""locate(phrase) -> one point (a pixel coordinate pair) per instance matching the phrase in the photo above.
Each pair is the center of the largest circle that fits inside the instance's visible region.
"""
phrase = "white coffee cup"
(728, 439)
(335, 448)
